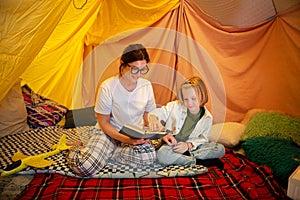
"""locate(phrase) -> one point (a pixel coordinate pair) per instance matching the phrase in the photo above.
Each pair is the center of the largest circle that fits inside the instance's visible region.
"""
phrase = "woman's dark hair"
(132, 53)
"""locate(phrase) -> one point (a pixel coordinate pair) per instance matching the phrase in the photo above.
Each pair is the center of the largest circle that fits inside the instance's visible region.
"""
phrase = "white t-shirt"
(124, 106)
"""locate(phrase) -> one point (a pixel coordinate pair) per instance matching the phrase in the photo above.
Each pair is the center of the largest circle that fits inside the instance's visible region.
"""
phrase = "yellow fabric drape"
(25, 27)
(53, 72)
(117, 16)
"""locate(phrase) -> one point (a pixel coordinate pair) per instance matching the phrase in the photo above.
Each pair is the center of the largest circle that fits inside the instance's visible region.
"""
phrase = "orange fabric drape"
(259, 65)
(244, 68)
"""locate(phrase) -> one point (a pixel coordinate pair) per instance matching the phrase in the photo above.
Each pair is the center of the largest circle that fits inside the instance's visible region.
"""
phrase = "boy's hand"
(169, 140)
(181, 147)
(154, 123)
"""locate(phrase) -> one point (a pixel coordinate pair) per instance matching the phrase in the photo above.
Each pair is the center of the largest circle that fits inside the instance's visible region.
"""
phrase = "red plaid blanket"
(239, 179)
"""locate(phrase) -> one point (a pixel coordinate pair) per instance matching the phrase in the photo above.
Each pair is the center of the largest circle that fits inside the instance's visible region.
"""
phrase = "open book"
(137, 133)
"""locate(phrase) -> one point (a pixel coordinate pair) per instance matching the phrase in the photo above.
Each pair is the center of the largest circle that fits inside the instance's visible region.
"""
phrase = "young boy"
(189, 123)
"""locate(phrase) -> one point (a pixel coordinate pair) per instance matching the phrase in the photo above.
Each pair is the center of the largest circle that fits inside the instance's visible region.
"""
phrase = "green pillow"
(280, 155)
(273, 124)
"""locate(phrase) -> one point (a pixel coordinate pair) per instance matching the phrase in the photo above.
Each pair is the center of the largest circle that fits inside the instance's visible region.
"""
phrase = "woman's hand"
(107, 128)
(170, 140)
(138, 141)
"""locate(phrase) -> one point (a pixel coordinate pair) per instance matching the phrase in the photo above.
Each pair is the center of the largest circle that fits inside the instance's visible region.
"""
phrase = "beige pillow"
(229, 133)
(13, 114)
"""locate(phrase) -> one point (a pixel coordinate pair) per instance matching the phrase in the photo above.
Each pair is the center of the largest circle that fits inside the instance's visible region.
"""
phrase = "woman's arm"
(107, 128)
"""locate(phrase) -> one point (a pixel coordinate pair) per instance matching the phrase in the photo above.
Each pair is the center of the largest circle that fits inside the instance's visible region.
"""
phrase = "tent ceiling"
(243, 13)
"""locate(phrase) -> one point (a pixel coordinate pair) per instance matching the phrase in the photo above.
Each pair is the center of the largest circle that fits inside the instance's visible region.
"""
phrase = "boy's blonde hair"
(199, 86)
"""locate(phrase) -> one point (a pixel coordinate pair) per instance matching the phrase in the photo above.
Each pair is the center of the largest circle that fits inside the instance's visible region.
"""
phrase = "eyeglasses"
(135, 70)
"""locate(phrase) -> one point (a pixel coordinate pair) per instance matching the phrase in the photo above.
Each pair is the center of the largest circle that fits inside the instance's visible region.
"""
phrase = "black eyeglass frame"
(132, 68)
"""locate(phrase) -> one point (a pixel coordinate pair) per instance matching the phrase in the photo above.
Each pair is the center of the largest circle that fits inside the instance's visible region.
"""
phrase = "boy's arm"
(201, 133)
(163, 112)
(158, 117)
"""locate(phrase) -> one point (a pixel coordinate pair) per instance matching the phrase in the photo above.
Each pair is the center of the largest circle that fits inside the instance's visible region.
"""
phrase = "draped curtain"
(244, 68)
(25, 28)
(64, 49)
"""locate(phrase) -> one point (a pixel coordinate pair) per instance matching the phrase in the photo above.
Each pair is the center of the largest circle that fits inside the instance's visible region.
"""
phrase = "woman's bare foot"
(77, 143)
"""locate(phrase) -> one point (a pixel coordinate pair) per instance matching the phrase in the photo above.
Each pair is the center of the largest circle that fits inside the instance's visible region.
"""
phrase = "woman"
(123, 99)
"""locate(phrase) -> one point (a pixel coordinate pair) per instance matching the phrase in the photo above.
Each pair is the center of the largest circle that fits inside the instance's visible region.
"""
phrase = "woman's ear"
(121, 68)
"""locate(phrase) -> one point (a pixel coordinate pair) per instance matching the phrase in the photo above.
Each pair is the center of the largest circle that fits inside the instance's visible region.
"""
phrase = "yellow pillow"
(229, 133)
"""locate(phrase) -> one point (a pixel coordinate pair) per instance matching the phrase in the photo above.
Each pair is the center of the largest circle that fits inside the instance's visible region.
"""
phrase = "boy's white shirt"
(174, 114)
